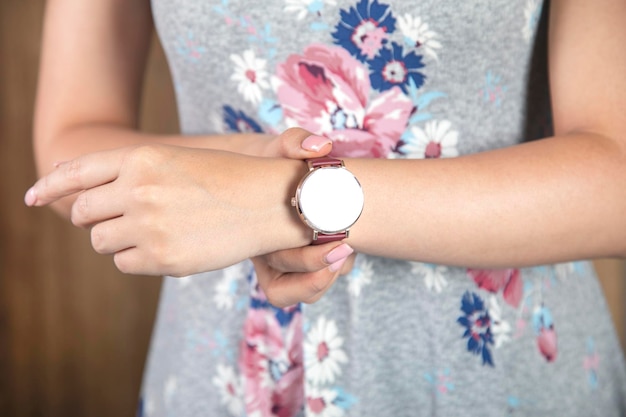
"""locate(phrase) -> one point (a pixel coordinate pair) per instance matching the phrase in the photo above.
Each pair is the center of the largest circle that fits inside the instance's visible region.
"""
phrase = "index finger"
(85, 172)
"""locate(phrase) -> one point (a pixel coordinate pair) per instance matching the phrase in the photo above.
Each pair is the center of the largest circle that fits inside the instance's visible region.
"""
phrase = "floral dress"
(382, 79)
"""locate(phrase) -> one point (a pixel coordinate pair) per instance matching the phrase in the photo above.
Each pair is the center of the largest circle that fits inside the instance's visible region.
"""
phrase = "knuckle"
(123, 263)
(98, 240)
(289, 142)
(80, 211)
(148, 155)
(284, 148)
(316, 283)
(165, 259)
(275, 261)
(275, 297)
(295, 132)
(145, 194)
(73, 170)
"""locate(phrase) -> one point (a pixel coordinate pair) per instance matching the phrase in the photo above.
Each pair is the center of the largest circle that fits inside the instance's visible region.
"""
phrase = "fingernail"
(340, 252)
(31, 197)
(336, 266)
(314, 143)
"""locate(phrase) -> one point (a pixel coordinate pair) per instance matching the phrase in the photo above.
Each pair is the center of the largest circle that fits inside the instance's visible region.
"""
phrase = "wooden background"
(73, 331)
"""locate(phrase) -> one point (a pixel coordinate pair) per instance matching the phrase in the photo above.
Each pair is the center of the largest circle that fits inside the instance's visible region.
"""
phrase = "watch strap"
(325, 161)
(320, 238)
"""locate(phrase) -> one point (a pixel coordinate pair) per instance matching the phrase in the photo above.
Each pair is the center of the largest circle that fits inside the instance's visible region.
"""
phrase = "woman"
(467, 296)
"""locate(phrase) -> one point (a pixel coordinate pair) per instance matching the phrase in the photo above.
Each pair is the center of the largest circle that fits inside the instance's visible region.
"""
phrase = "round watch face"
(330, 199)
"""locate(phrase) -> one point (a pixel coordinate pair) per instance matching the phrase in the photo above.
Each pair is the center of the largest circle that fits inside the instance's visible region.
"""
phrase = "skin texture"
(557, 199)
(107, 118)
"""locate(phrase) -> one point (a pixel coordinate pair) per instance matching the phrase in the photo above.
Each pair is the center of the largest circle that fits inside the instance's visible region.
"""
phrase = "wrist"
(281, 228)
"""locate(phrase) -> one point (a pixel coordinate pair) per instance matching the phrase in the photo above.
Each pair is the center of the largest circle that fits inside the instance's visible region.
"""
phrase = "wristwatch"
(329, 199)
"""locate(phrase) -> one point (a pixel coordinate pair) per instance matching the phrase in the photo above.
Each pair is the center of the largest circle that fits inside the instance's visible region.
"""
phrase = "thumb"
(298, 143)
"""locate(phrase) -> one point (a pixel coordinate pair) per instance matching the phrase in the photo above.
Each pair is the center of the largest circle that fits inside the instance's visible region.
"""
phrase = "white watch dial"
(331, 199)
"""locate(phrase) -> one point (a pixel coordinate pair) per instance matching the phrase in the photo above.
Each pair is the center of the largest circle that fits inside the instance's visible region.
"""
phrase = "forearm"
(551, 200)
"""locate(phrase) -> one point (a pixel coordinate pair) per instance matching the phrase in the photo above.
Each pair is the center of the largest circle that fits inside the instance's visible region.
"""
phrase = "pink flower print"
(288, 398)
(271, 366)
(253, 366)
(493, 280)
(363, 29)
(591, 364)
(520, 328)
(326, 91)
(369, 38)
(189, 48)
(440, 381)
(546, 341)
(263, 331)
(327, 402)
(543, 324)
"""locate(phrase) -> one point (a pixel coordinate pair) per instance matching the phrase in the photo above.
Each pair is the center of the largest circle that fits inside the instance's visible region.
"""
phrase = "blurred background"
(74, 332)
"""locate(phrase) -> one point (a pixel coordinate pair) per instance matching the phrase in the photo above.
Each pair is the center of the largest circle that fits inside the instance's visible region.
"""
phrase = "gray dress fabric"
(382, 79)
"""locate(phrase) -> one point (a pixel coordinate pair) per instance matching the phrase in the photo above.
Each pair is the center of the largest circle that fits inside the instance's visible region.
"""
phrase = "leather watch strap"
(325, 238)
(325, 161)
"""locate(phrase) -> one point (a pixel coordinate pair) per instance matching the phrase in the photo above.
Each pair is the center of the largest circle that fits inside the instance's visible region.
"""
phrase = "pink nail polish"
(30, 198)
(314, 143)
(340, 252)
(336, 266)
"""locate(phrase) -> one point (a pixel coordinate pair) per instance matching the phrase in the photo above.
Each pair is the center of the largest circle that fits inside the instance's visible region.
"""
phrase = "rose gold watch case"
(329, 199)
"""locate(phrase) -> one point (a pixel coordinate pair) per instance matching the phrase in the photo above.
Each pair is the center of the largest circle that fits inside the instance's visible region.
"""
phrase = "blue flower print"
(238, 121)
(189, 48)
(391, 68)
(477, 325)
(542, 318)
(140, 412)
(258, 301)
(363, 30)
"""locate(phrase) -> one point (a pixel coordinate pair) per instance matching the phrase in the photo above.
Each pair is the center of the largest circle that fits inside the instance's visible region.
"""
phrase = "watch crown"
(293, 201)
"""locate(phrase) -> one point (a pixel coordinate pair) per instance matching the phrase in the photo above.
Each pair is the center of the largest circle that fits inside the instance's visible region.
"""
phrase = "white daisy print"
(434, 275)
(230, 389)
(562, 271)
(360, 276)
(322, 352)
(320, 403)
(251, 75)
(436, 140)
(169, 390)
(532, 12)
(216, 121)
(304, 7)
(500, 329)
(226, 288)
(418, 35)
(149, 408)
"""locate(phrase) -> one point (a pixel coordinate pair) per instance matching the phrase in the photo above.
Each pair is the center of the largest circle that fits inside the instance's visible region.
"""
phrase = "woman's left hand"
(302, 274)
